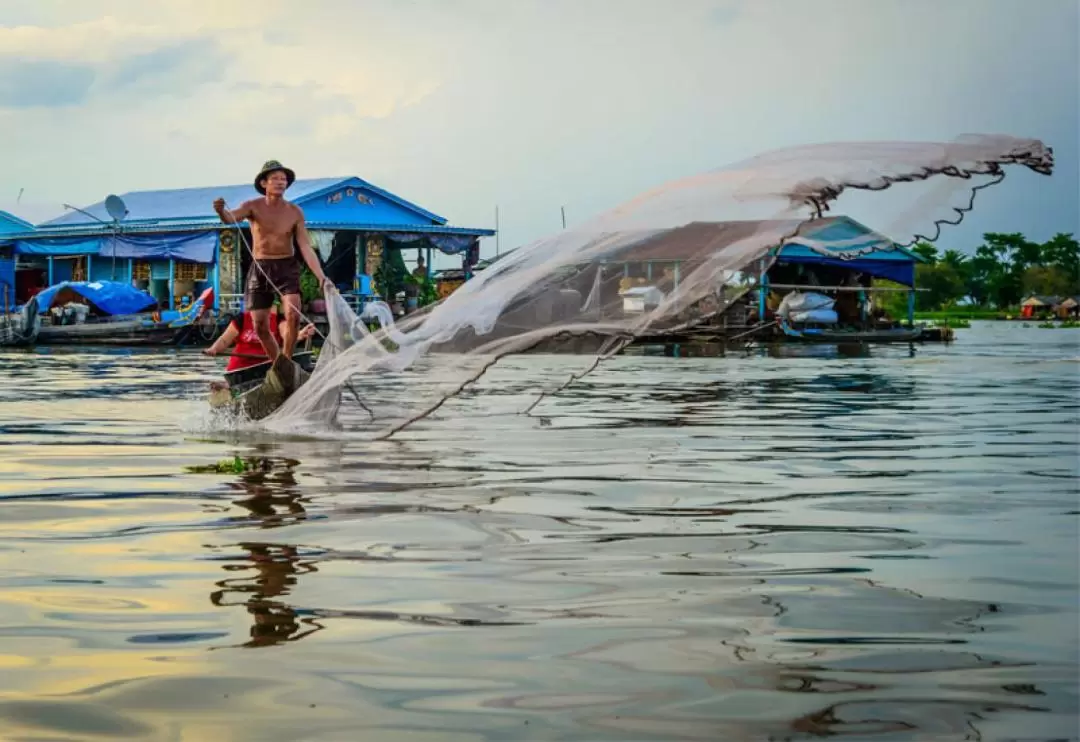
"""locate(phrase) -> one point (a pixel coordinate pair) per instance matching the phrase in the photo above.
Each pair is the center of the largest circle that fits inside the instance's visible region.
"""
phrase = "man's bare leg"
(291, 328)
(261, 319)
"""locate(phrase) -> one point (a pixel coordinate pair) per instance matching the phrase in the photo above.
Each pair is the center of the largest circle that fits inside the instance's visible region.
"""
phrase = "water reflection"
(272, 496)
(268, 571)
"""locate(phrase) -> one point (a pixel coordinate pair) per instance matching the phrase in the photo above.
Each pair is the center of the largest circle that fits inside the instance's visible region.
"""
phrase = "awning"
(890, 270)
(59, 246)
(197, 247)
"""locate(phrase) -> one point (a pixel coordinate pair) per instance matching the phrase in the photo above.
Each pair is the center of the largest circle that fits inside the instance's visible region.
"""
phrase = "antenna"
(117, 210)
(83, 211)
(116, 207)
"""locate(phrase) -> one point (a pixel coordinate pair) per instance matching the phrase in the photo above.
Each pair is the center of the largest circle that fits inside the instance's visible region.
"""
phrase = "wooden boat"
(838, 335)
(122, 315)
(257, 391)
(19, 329)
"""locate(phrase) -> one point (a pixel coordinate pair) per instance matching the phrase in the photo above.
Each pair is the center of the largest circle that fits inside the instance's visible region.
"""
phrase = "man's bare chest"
(270, 220)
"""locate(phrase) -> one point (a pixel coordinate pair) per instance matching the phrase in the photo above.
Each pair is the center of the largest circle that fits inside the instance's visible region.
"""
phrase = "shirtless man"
(274, 223)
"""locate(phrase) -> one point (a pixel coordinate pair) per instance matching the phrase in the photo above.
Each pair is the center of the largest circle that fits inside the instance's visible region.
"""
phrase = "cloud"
(725, 13)
(174, 69)
(532, 104)
(94, 61)
(173, 48)
(26, 84)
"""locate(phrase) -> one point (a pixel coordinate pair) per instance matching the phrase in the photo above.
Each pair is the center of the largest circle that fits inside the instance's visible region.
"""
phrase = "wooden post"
(217, 286)
(359, 258)
(763, 291)
(911, 309)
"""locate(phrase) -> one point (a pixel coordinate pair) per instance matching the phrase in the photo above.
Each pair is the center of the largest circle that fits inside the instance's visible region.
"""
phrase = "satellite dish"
(116, 208)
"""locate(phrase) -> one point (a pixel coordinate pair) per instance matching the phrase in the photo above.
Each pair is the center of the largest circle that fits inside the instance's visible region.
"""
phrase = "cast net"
(675, 257)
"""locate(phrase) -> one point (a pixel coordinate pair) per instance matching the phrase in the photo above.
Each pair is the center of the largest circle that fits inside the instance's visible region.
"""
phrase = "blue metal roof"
(11, 224)
(193, 207)
(96, 230)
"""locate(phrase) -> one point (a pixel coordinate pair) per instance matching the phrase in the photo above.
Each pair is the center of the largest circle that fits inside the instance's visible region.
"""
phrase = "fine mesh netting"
(668, 259)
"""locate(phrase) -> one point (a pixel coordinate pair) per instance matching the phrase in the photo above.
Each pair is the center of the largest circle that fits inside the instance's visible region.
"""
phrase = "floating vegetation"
(1069, 324)
(239, 465)
(956, 323)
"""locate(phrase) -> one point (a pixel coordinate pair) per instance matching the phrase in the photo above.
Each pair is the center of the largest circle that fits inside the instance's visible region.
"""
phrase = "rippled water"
(763, 546)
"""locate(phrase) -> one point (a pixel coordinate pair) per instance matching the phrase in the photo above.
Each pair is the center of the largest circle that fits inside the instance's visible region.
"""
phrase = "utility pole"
(563, 210)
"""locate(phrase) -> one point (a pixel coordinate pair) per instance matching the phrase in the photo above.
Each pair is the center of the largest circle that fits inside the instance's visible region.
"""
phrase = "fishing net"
(684, 253)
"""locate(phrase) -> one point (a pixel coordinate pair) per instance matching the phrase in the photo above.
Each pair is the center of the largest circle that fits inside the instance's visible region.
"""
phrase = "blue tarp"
(893, 270)
(449, 244)
(111, 297)
(197, 248)
(59, 246)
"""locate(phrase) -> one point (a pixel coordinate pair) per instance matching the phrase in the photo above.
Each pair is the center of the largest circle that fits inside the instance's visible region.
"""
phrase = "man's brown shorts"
(281, 275)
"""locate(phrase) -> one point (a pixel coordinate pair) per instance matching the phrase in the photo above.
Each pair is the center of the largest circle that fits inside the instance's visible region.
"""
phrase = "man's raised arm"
(232, 217)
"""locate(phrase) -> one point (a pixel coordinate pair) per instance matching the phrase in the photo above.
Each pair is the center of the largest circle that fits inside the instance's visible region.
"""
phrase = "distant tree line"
(1004, 270)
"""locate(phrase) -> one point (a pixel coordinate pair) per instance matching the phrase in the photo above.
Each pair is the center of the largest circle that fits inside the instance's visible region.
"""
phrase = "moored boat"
(19, 328)
(813, 334)
(110, 313)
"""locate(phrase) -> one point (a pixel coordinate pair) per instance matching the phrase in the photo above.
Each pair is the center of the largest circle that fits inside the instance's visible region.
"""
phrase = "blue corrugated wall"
(7, 280)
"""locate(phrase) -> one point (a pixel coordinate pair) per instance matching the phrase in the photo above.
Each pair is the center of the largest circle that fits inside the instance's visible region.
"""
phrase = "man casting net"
(700, 243)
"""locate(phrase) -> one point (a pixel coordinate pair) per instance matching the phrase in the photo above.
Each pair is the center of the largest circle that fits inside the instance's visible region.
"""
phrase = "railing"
(230, 303)
(233, 303)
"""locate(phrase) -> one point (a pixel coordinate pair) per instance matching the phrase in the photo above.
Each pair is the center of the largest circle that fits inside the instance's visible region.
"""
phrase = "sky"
(530, 106)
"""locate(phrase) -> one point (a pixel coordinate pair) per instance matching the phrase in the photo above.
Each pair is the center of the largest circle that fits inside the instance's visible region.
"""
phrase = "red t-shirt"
(248, 343)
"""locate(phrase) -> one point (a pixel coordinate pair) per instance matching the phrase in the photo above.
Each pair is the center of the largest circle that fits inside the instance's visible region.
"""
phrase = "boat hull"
(825, 335)
(257, 398)
(126, 333)
(12, 335)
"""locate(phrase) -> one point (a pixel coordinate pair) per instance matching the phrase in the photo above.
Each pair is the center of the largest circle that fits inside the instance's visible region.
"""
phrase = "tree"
(926, 251)
(1004, 269)
(956, 259)
(1062, 253)
(1045, 280)
(984, 273)
(942, 284)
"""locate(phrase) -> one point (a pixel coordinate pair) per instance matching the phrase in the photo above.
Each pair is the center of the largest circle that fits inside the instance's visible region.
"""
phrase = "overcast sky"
(460, 105)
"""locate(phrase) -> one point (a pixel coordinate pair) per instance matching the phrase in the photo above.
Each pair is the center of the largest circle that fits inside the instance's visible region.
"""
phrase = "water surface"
(785, 545)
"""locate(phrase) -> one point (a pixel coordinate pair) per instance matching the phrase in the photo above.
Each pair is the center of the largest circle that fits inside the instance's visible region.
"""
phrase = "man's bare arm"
(306, 250)
(235, 216)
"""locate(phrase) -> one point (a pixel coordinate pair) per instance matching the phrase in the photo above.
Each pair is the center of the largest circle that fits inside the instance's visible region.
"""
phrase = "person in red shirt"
(249, 349)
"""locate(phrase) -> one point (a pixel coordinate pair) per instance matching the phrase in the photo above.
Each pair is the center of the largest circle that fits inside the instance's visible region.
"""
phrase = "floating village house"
(10, 224)
(836, 255)
(172, 244)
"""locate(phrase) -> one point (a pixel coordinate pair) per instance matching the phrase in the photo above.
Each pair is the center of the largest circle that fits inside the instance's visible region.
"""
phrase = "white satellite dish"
(116, 208)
